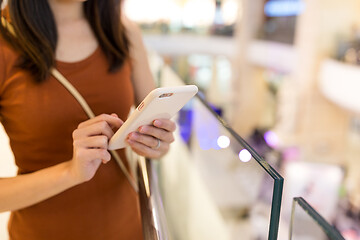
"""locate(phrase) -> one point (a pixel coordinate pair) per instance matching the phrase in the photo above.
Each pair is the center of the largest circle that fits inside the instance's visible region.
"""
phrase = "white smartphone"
(160, 103)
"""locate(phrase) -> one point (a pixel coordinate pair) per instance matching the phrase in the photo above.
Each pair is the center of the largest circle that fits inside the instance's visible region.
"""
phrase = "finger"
(102, 154)
(91, 155)
(98, 128)
(146, 151)
(113, 120)
(165, 124)
(115, 128)
(92, 142)
(146, 140)
(155, 132)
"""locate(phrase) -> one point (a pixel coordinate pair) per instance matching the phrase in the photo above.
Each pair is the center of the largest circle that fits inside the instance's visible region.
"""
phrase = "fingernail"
(157, 123)
(140, 129)
(133, 136)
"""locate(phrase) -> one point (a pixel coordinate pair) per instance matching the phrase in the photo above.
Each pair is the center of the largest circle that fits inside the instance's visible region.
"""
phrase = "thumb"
(116, 127)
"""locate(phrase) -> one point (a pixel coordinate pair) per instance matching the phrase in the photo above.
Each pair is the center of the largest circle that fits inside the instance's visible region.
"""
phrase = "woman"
(67, 187)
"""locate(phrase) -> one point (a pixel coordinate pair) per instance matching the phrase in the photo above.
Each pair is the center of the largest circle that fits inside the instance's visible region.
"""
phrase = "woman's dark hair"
(36, 33)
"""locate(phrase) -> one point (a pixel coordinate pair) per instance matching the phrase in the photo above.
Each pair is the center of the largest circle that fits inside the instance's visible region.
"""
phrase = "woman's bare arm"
(142, 79)
(28, 189)
(90, 142)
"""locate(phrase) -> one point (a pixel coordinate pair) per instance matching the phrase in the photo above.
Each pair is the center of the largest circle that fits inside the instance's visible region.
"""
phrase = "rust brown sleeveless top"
(39, 120)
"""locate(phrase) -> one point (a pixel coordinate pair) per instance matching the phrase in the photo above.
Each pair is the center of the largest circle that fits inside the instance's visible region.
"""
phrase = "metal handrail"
(152, 212)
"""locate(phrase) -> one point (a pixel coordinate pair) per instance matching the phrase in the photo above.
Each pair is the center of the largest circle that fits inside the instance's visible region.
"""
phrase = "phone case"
(160, 103)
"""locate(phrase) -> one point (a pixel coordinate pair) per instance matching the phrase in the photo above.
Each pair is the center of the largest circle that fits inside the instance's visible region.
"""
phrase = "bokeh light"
(223, 141)
(245, 155)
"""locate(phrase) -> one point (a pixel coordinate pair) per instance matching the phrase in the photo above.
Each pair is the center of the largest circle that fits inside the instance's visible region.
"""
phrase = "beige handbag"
(57, 75)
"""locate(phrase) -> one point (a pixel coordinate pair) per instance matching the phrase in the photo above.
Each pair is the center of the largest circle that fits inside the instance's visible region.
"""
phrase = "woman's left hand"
(153, 141)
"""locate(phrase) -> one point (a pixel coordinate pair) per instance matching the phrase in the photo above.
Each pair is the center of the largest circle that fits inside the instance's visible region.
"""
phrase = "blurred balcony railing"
(211, 185)
(307, 223)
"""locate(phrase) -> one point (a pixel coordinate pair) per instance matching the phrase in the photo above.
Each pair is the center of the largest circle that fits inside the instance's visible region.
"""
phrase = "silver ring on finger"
(158, 144)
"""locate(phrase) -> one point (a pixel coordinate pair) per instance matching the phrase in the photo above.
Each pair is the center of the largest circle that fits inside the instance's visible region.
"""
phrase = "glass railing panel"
(214, 185)
(308, 224)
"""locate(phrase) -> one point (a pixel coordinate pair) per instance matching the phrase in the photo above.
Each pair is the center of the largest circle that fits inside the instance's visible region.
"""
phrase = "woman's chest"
(39, 111)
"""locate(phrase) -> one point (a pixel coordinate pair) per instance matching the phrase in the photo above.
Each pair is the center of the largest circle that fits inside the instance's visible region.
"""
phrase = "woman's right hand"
(90, 142)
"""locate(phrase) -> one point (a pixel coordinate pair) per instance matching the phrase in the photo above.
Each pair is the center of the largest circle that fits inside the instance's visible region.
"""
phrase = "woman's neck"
(66, 11)
(76, 40)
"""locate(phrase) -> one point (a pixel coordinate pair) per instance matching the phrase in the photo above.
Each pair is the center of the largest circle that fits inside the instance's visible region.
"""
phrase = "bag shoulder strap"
(8, 26)
(57, 75)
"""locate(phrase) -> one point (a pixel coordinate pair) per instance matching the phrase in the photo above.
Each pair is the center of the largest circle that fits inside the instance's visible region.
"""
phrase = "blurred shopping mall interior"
(284, 75)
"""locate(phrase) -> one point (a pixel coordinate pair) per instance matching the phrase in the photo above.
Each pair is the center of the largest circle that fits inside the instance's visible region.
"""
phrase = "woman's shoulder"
(8, 59)
(7, 52)
(6, 47)
(133, 31)
(129, 25)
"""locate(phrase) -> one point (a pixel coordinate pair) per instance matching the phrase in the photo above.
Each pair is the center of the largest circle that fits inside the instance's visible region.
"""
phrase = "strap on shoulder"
(8, 26)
